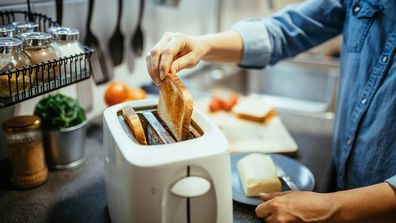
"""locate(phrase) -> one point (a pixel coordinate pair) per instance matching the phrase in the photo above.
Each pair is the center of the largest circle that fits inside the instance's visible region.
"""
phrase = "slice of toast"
(254, 109)
(135, 125)
(175, 106)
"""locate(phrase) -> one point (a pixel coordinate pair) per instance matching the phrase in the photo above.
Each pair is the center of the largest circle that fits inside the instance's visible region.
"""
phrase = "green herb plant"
(58, 111)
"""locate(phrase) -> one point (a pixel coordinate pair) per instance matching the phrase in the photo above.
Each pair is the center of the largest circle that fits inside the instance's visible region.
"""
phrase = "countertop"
(78, 195)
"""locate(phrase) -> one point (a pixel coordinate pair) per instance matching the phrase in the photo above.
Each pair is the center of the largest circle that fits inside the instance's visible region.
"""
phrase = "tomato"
(136, 94)
(227, 105)
(218, 104)
(116, 93)
(233, 100)
(215, 104)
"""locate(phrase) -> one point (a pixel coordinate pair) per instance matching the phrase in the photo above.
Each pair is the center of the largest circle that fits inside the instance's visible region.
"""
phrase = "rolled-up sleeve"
(392, 181)
(256, 44)
(293, 30)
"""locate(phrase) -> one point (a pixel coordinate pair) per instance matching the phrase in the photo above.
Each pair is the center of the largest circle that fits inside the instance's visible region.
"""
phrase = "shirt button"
(384, 59)
(349, 142)
(364, 101)
(356, 9)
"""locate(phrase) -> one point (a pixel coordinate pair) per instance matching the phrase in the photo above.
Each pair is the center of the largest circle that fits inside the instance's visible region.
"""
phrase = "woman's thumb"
(269, 196)
(186, 61)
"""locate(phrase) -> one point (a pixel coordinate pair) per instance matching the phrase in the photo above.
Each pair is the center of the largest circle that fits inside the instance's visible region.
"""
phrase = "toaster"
(187, 181)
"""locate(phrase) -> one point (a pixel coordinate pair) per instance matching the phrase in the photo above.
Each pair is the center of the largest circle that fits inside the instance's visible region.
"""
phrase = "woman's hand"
(295, 206)
(174, 52)
(375, 203)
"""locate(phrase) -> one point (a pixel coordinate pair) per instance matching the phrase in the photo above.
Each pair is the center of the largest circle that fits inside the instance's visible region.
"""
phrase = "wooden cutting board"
(249, 136)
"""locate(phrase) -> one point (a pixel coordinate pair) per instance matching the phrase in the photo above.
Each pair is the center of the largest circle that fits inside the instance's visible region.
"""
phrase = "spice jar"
(11, 58)
(66, 44)
(25, 26)
(24, 141)
(37, 47)
(7, 31)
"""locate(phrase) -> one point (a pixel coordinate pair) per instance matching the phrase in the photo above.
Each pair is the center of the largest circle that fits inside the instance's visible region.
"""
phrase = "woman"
(364, 154)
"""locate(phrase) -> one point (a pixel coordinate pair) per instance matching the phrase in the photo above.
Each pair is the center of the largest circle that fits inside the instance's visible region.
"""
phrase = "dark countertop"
(78, 195)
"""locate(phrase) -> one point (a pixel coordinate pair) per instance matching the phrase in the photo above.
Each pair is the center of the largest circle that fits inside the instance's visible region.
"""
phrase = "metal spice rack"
(51, 75)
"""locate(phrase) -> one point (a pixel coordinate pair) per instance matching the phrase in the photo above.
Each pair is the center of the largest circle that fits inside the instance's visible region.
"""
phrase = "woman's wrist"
(223, 47)
(205, 43)
(336, 201)
(375, 203)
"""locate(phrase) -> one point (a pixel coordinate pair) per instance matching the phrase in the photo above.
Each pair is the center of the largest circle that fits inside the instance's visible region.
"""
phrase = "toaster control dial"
(190, 187)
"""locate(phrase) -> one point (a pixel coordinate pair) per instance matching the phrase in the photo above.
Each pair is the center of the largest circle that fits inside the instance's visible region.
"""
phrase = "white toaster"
(188, 181)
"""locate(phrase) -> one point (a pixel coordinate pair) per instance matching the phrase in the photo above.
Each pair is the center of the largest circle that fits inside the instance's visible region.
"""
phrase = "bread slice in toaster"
(135, 125)
(175, 106)
(254, 109)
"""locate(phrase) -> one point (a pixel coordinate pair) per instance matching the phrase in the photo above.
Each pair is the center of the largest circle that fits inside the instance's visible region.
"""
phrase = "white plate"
(300, 174)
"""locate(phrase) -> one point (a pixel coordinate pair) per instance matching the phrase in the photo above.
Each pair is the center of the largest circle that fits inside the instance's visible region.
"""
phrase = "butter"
(258, 173)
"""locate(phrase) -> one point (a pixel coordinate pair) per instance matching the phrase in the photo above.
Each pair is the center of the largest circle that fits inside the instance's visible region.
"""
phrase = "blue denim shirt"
(364, 150)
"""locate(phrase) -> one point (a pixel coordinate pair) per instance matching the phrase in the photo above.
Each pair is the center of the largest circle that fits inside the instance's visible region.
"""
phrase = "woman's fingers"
(263, 210)
(269, 196)
(154, 57)
(152, 73)
(171, 50)
(174, 52)
(187, 61)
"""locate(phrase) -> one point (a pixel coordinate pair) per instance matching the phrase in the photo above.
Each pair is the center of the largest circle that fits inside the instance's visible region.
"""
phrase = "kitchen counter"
(78, 195)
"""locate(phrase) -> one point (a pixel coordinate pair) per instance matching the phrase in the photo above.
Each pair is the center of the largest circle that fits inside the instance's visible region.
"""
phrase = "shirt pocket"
(362, 15)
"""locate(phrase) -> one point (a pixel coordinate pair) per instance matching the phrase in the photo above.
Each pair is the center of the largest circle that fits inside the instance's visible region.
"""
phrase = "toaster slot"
(195, 131)
(155, 130)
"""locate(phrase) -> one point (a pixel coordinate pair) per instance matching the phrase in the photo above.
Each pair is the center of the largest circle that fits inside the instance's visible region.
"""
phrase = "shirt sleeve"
(256, 43)
(392, 181)
(294, 29)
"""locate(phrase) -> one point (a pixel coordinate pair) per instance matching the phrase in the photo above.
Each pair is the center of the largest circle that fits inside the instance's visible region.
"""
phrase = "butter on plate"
(258, 173)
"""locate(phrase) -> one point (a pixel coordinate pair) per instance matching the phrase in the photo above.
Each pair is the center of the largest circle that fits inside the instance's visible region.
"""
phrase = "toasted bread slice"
(135, 125)
(175, 106)
(254, 109)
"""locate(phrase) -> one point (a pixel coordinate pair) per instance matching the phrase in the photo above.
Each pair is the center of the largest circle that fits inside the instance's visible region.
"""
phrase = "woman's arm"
(375, 203)
(176, 51)
(369, 204)
(252, 43)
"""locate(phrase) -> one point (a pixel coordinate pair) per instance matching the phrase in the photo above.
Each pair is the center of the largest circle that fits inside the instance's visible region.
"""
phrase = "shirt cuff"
(256, 43)
(392, 181)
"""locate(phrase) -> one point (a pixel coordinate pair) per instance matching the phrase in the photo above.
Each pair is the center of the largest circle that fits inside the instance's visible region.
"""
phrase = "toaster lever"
(191, 187)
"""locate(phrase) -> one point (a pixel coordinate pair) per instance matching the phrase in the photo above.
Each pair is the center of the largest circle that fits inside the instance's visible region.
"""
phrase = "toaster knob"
(190, 187)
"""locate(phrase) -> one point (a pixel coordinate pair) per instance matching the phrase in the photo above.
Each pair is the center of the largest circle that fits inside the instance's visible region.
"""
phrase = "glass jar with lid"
(66, 44)
(7, 31)
(37, 47)
(25, 26)
(12, 59)
(24, 140)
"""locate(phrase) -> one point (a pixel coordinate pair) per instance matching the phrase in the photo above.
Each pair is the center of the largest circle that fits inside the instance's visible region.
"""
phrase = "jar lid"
(21, 123)
(25, 26)
(36, 39)
(10, 45)
(64, 33)
(7, 31)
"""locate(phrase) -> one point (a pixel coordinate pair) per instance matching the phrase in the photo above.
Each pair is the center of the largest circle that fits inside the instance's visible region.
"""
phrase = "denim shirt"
(364, 136)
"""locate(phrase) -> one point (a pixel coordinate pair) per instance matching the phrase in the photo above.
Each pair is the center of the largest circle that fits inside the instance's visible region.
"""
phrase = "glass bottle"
(37, 47)
(12, 58)
(25, 26)
(24, 140)
(7, 31)
(66, 45)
